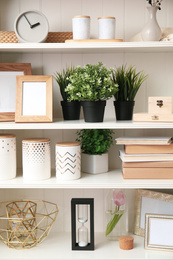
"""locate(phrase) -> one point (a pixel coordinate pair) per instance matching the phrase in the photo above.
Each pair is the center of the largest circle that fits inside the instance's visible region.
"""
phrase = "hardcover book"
(144, 157)
(144, 140)
(144, 149)
(147, 173)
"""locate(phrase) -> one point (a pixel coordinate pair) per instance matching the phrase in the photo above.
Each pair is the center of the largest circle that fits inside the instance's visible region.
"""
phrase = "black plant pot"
(71, 110)
(93, 110)
(124, 110)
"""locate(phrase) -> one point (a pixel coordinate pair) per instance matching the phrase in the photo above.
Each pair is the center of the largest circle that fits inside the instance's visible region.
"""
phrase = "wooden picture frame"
(150, 202)
(8, 73)
(158, 232)
(34, 99)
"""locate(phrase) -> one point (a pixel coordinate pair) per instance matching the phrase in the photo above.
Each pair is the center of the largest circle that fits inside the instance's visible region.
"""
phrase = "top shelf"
(94, 47)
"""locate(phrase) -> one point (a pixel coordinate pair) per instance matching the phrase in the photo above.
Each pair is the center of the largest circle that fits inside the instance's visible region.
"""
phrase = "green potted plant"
(129, 82)
(70, 108)
(95, 144)
(92, 85)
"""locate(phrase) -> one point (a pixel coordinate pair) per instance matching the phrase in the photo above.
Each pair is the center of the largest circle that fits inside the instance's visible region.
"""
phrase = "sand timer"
(82, 220)
(82, 231)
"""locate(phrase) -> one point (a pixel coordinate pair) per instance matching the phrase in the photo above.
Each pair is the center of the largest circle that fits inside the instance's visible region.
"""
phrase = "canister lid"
(3, 136)
(36, 140)
(66, 144)
(106, 17)
(81, 16)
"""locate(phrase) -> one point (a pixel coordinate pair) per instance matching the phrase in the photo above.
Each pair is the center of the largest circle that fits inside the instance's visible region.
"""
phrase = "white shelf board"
(80, 124)
(95, 47)
(57, 246)
(108, 180)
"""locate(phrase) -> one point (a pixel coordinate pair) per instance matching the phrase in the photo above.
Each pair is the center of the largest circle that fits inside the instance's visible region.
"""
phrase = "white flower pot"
(81, 27)
(7, 157)
(36, 159)
(94, 163)
(106, 27)
(68, 161)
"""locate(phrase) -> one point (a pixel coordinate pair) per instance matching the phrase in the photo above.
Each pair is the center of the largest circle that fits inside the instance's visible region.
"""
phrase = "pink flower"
(119, 198)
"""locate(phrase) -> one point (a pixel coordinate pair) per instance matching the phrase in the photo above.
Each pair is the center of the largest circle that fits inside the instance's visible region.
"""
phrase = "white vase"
(106, 27)
(151, 31)
(36, 159)
(94, 163)
(81, 27)
(68, 160)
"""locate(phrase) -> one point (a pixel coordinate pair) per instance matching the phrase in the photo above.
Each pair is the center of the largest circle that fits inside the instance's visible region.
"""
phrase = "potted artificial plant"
(129, 82)
(94, 145)
(92, 85)
(70, 108)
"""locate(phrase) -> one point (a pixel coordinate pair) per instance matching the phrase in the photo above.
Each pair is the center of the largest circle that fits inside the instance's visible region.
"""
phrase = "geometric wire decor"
(24, 223)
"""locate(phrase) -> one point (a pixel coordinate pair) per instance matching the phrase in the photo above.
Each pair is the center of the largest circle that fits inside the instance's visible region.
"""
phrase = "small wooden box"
(160, 105)
(159, 110)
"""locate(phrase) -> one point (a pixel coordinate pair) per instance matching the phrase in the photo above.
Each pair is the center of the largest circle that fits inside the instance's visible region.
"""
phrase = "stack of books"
(146, 157)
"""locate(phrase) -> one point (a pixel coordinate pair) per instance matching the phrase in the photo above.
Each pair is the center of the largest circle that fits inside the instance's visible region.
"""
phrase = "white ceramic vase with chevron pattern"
(68, 161)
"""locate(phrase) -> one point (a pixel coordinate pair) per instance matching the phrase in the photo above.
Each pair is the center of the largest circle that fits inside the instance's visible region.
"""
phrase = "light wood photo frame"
(158, 232)
(8, 73)
(150, 202)
(34, 99)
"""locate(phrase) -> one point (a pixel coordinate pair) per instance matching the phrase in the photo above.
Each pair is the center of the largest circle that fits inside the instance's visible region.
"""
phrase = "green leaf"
(111, 225)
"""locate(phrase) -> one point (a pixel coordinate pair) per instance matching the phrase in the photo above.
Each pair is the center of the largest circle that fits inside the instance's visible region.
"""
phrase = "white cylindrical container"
(106, 27)
(36, 159)
(7, 156)
(81, 27)
(68, 161)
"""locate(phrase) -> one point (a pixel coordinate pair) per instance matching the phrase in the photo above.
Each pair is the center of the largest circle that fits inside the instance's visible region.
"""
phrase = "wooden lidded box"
(160, 105)
(159, 110)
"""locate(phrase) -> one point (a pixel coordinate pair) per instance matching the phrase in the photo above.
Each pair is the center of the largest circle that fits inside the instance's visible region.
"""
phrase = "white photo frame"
(159, 232)
(34, 99)
(8, 73)
(150, 202)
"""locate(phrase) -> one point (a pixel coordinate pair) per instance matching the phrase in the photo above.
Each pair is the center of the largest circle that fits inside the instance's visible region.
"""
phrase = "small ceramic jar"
(36, 159)
(68, 161)
(81, 27)
(106, 27)
(7, 156)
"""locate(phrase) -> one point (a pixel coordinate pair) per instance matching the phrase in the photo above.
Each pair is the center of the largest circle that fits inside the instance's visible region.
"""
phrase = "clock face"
(31, 26)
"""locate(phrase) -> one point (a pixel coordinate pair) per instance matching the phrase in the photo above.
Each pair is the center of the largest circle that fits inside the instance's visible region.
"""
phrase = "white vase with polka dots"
(36, 159)
(7, 156)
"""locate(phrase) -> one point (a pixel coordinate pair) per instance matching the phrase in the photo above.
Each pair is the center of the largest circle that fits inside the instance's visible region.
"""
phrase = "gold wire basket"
(24, 223)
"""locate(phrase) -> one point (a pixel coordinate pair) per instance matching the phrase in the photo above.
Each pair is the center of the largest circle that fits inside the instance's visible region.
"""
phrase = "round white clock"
(31, 26)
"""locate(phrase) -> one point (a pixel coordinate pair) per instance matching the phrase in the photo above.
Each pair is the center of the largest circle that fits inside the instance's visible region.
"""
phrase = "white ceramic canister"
(106, 27)
(7, 156)
(81, 27)
(68, 161)
(36, 159)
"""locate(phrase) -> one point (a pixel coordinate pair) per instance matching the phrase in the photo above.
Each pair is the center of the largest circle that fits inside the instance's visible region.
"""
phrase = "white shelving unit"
(46, 58)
